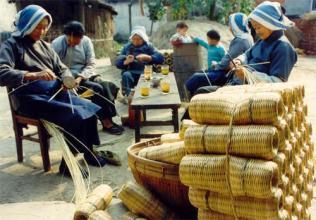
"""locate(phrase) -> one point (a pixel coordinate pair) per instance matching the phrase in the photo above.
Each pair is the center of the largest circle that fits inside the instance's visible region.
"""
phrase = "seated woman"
(31, 67)
(273, 47)
(134, 56)
(76, 51)
(241, 43)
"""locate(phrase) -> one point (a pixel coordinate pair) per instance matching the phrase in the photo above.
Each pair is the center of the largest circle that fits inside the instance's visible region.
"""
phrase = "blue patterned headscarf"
(239, 25)
(270, 15)
(28, 18)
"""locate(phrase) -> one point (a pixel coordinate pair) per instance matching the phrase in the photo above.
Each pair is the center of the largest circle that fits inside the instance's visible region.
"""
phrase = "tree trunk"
(151, 27)
(213, 10)
(130, 16)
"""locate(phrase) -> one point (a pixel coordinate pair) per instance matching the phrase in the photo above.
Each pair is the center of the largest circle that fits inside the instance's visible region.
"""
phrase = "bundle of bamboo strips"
(251, 157)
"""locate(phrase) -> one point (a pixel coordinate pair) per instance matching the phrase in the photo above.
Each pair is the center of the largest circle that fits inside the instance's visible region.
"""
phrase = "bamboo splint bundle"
(217, 108)
(100, 215)
(98, 199)
(259, 141)
(142, 202)
(168, 152)
(255, 178)
(246, 207)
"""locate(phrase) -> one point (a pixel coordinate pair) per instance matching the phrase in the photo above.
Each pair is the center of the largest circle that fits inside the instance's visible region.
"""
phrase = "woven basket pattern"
(170, 138)
(259, 108)
(248, 140)
(250, 177)
(169, 152)
(247, 207)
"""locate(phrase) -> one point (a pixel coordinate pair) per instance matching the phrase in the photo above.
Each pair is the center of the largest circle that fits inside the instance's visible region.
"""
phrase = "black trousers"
(106, 101)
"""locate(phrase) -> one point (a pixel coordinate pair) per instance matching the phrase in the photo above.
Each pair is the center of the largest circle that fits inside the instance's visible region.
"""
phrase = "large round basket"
(160, 178)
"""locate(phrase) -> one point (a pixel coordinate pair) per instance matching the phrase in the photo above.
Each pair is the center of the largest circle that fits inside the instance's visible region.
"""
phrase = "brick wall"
(308, 27)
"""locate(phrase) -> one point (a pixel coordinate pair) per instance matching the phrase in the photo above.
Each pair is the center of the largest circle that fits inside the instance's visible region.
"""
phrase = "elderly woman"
(241, 43)
(31, 67)
(77, 52)
(273, 47)
(134, 56)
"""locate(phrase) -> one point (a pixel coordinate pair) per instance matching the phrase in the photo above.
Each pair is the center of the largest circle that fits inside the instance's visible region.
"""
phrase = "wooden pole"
(81, 12)
(130, 16)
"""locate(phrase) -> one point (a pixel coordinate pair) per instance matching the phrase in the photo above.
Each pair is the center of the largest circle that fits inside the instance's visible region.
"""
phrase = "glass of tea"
(165, 69)
(148, 71)
(145, 90)
(165, 86)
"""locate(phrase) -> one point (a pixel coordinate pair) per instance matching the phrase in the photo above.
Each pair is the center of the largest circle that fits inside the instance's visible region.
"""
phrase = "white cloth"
(140, 31)
(183, 39)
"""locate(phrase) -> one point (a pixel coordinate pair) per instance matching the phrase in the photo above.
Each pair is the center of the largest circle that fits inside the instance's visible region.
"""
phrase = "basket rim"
(159, 167)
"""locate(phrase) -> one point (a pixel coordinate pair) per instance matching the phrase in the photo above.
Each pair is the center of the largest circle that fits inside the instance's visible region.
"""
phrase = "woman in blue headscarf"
(31, 67)
(272, 47)
(241, 43)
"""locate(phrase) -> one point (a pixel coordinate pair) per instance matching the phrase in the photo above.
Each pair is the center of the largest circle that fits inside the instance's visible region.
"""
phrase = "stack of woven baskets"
(251, 155)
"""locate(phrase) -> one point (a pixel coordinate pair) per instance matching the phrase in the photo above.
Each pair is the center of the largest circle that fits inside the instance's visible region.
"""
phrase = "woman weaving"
(31, 67)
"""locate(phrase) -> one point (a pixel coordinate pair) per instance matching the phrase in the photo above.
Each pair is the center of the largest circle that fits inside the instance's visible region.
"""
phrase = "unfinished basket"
(255, 178)
(141, 201)
(217, 108)
(255, 141)
(170, 138)
(160, 178)
(246, 207)
(168, 152)
(185, 125)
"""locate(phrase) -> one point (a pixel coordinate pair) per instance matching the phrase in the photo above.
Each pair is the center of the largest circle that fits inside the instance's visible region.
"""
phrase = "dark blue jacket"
(136, 66)
(277, 50)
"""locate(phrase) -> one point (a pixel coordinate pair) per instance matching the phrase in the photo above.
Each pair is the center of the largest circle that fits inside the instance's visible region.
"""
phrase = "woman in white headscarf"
(134, 56)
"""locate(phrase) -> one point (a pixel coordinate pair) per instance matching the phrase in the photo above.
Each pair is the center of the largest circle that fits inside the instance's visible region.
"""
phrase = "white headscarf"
(140, 31)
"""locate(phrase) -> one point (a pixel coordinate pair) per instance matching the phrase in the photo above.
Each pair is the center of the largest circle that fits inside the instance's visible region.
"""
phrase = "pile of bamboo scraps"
(251, 155)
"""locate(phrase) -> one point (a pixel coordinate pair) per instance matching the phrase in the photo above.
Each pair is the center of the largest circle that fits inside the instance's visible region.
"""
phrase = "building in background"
(96, 15)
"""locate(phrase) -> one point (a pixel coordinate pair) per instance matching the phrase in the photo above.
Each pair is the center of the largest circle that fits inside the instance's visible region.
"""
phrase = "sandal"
(110, 157)
(94, 159)
(116, 130)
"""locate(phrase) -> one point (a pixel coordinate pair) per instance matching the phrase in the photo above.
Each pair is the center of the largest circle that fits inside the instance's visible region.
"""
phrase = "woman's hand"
(129, 59)
(46, 74)
(240, 72)
(78, 80)
(144, 58)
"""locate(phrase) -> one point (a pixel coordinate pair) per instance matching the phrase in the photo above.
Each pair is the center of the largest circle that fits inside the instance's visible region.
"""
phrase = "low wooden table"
(155, 100)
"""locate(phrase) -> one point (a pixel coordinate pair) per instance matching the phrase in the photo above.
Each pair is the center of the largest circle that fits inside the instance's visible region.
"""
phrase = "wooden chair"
(41, 136)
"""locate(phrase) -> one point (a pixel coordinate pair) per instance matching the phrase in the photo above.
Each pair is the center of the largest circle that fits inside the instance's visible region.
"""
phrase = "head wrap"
(28, 18)
(270, 15)
(238, 23)
(140, 31)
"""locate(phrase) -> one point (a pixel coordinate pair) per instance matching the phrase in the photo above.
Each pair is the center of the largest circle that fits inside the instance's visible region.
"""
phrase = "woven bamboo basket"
(280, 159)
(286, 93)
(207, 214)
(216, 108)
(131, 216)
(142, 202)
(100, 215)
(255, 178)
(170, 138)
(246, 207)
(255, 141)
(160, 178)
(169, 152)
(185, 125)
(285, 185)
(288, 204)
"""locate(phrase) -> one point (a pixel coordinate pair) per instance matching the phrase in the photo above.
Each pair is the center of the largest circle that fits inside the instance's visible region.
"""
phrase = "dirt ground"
(26, 182)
